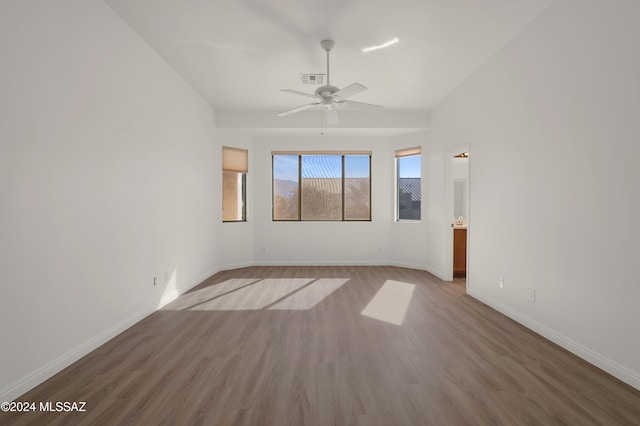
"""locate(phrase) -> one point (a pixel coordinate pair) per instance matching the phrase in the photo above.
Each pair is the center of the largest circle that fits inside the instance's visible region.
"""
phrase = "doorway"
(458, 215)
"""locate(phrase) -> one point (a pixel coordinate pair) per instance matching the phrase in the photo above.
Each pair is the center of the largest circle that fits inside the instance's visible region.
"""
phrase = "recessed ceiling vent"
(312, 79)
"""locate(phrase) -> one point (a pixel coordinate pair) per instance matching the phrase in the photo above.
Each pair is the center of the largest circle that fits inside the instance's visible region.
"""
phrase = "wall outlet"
(155, 281)
(264, 250)
(166, 277)
(532, 295)
(501, 283)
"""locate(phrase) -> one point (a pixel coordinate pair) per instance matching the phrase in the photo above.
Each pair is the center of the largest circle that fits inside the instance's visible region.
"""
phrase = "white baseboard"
(168, 298)
(231, 266)
(32, 380)
(420, 267)
(315, 262)
(630, 377)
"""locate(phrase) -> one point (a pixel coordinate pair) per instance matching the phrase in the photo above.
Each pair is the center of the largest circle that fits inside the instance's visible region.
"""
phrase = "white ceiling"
(239, 53)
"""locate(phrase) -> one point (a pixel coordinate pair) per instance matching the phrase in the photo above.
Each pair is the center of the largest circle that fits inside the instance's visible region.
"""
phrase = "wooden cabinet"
(459, 252)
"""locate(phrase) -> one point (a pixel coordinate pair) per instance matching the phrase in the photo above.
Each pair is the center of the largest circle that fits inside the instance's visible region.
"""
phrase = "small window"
(409, 184)
(234, 184)
(319, 186)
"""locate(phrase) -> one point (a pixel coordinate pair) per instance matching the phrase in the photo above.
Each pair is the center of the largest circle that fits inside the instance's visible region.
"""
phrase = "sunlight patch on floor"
(255, 296)
(390, 302)
(252, 294)
(309, 296)
(197, 297)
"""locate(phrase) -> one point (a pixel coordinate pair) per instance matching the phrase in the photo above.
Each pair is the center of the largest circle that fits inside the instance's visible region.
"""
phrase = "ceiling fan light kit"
(330, 98)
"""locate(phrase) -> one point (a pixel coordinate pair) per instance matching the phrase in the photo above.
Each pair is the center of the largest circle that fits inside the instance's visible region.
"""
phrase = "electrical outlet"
(532, 295)
(501, 283)
(166, 277)
(264, 250)
(155, 281)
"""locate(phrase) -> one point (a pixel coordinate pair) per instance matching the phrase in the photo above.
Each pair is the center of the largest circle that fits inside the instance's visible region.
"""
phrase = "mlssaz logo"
(63, 406)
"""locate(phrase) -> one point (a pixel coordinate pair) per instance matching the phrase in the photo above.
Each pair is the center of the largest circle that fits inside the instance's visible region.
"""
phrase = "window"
(409, 185)
(321, 186)
(234, 184)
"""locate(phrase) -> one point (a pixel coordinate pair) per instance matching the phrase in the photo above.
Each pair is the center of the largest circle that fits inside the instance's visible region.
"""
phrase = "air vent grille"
(312, 79)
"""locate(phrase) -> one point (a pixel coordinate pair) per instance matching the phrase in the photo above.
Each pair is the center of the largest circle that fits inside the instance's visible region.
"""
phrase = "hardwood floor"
(289, 346)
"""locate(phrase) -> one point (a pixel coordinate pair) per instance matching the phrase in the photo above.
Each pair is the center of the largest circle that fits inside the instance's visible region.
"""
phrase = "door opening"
(457, 190)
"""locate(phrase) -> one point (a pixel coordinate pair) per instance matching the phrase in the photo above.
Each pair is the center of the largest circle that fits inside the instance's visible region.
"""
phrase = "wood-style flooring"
(290, 346)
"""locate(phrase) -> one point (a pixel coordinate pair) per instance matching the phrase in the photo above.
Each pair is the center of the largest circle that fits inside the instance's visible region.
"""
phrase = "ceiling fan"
(331, 98)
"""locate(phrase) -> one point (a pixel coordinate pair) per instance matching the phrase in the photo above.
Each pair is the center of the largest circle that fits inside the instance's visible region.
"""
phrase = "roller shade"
(235, 160)
(408, 151)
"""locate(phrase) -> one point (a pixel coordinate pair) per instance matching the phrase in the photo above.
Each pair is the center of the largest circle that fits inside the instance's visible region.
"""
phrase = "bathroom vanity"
(459, 251)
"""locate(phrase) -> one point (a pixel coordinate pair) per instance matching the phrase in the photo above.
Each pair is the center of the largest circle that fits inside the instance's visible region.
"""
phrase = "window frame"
(300, 154)
(242, 171)
(399, 154)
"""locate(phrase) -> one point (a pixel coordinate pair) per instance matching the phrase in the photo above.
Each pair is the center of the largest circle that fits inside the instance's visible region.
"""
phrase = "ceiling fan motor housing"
(327, 44)
(326, 92)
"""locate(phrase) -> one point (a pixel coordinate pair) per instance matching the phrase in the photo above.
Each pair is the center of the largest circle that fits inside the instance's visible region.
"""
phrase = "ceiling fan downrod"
(327, 45)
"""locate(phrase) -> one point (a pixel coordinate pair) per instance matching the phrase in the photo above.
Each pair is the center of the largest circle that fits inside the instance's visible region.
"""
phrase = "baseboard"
(168, 298)
(231, 266)
(32, 380)
(622, 373)
(420, 267)
(315, 262)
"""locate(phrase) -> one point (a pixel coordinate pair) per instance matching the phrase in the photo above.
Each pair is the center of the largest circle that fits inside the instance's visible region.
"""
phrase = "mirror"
(460, 175)
(460, 198)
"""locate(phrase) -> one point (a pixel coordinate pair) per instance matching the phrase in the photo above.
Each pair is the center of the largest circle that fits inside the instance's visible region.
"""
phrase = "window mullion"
(299, 188)
(344, 197)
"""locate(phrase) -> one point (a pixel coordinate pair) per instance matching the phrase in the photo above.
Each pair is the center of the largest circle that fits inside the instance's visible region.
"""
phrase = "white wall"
(323, 243)
(552, 123)
(107, 160)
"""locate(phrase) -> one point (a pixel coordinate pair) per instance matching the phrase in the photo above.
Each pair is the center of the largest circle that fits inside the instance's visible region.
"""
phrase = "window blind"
(408, 151)
(235, 160)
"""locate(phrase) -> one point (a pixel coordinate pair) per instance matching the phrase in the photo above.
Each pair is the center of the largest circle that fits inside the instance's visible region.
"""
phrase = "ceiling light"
(381, 46)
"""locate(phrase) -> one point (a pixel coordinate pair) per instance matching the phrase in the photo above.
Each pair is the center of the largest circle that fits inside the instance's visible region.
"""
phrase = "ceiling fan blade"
(360, 106)
(331, 116)
(297, 92)
(352, 89)
(298, 109)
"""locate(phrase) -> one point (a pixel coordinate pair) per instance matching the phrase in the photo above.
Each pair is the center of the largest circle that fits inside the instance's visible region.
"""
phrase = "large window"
(321, 186)
(234, 184)
(409, 184)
